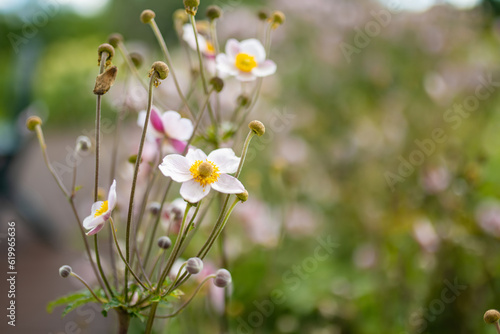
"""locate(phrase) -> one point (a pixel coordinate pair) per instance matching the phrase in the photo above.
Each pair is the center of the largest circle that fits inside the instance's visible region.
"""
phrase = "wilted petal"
(254, 48)
(232, 48)
(193, 192)
(225, 159)
(265, 68)
(177, 167)
(228, 185)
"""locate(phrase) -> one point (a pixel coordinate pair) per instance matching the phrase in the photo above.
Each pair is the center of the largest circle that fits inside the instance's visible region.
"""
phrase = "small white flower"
(199, 173)
(246, 60)
(206, 47)
(169, 125)
(101, 212)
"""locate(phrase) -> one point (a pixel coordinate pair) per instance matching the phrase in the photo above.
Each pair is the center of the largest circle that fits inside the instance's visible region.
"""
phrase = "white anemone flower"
(246, 60)
(101, 212)
(206, 47)
(198, 172)
(169, 125)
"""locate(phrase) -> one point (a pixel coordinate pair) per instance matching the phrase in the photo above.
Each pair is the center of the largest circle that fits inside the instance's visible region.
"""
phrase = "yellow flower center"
(245, 62)
(204, 172)
(102, 209)
(210, 48)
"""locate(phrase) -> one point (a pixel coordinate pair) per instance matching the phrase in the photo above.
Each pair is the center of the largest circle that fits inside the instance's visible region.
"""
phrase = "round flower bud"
(154, 208)
(217, 83)
(243, 196)
(136, 58)
(194, 265)
(164, 242)
(242, 100)
(180, 16)
(213, 12)
(161, 69)
(257, 127)
(83, 144)
(191, 6)
(491, 316)
(222, 278)
(147, 16)
(65, 271)
(32, 122)
(277, 18)
(114, 39)
(109, 49)
(262, 14)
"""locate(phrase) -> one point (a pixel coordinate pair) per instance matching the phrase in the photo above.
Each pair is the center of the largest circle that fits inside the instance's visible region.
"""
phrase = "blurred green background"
(351, 156)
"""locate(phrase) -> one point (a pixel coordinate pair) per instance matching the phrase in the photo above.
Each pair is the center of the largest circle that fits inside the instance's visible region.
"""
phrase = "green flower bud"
(65, 271)
(109, 49)
(180, 16)
(277, 18)
(164, 242)
(154, 208)
(136, 58)
(243, 196)
(191, 6)
(147, 16)
(222, 278)
(32, 122)
(491, 316)
(213, 12)
(161, 69)
(194, 265)
(242, 100)
(217, 83)
(257, 127)
(263, 15)
(114, 39)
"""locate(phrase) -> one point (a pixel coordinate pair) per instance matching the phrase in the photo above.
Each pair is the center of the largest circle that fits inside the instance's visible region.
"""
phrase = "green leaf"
(67, 299)
(138, 315)
(114, 303)
(76, 304)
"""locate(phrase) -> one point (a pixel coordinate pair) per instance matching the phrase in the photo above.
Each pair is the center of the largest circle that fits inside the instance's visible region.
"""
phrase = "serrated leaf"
(67, 299)
(76, 304)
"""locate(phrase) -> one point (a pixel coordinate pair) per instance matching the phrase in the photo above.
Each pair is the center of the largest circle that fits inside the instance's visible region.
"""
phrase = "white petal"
(96, 206)
(232, 48)
(246, 76)
(90, 222)
(225, 159)
(193, 192)
(112, 196)
(195, 154)
(228, 185)
(265, 68)
(177, 167)
(225, 64)
(141, 117)
(254, 48)
(177, 127)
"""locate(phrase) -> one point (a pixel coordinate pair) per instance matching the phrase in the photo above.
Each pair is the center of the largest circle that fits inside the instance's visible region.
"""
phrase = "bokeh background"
(383, 138)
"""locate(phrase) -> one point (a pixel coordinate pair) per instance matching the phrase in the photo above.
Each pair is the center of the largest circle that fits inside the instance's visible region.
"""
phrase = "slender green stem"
(189, 300)
(168, 59)
(99, 266)
(123, 258)
(151, 318)
(202, 71)
(134, 180)
(88, 287)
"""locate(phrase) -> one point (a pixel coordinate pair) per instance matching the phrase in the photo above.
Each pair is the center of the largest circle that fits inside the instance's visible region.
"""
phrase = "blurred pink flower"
(426, 235)
(261, 225)
(488, 217)
(435, 179)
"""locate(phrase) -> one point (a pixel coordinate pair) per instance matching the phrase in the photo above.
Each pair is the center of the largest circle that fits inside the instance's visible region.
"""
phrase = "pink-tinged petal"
(112, 196)
(232, 48)
(225, 159)
(177, 167)
(226, 65)
(228, 185)
(178, 145)
(90, 221)
(156, 121)
(254, 48)
(195, 154)
(265, 68)
(180, 129)
(193, 192)
(246, 76)
(95, 229)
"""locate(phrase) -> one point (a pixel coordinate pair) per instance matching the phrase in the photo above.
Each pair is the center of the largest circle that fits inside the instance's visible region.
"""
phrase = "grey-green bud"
(164, 242)
(83, 144)
(213, 12)
(222, 278)
(65, 271)
(194, 265)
